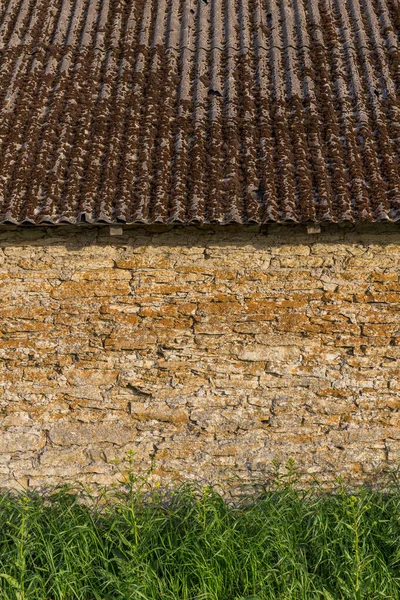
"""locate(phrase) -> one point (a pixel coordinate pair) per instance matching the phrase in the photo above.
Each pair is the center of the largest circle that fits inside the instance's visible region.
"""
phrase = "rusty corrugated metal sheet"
(199, 110)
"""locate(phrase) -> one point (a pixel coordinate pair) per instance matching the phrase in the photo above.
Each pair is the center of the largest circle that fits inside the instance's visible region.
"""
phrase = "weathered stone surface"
(209, 350)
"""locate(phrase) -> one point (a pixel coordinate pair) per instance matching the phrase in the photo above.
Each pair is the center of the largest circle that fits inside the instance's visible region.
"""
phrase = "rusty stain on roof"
(207, 111)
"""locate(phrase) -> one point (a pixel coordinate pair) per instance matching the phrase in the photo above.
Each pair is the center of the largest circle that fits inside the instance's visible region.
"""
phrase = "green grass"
(190, 543)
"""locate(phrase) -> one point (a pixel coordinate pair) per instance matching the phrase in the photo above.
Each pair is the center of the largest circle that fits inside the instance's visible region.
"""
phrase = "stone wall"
(212, 351)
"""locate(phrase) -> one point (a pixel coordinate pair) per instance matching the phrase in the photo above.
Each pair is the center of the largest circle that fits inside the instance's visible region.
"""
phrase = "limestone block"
(17, 439)
(93, 289)
(67, 434)
(256, 353)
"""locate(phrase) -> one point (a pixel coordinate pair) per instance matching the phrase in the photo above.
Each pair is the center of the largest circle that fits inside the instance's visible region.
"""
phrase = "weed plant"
(190, 543)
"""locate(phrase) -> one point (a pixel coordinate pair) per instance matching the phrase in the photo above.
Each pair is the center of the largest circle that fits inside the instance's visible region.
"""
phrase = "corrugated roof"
(199, 110)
